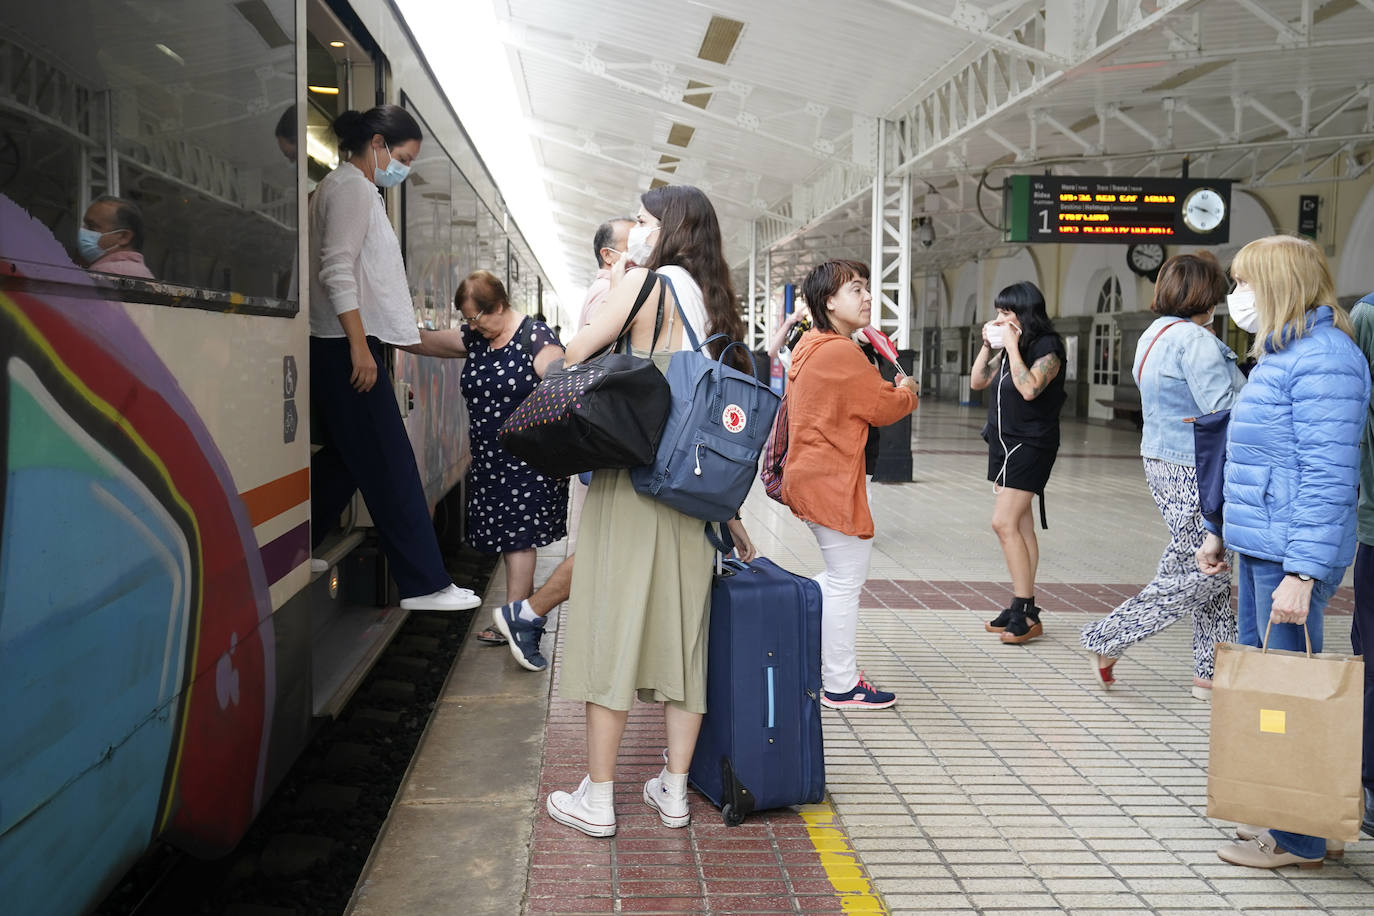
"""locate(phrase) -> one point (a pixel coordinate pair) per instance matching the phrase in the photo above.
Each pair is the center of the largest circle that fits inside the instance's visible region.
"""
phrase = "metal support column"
(891, 239)
(752, 326)
(100, 163)
(772, 316)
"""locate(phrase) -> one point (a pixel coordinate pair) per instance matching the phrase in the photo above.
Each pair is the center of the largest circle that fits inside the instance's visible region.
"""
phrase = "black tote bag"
(605, 412)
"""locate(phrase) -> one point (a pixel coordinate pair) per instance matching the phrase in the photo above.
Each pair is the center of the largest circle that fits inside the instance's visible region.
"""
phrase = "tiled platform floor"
(1003, 781)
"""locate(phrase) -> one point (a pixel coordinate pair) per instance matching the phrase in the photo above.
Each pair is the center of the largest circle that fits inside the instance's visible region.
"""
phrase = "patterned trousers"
(1178, 587)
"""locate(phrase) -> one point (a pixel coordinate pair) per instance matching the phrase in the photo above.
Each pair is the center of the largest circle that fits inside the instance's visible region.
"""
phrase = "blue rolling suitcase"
(760, 745)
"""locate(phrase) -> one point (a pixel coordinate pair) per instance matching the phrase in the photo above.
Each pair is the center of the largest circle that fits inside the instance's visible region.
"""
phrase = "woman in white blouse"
(359, 301)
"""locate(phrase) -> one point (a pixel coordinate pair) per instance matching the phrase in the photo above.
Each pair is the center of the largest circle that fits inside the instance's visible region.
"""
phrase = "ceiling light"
(698, 94)
(324, 90)
(170, 53)
(680, 134)
(925, 232)
(719, 41)
(336, 44)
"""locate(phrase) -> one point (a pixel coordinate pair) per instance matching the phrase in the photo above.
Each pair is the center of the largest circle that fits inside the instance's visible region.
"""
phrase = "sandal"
(491, 637)
(1104, 676)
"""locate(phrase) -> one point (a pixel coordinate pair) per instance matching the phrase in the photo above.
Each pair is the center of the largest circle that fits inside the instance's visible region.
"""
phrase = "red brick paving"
(767, 865)
(1086, 598)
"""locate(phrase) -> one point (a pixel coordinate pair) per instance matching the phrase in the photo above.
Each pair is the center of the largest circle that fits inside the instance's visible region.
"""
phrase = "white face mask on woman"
(638, 246)
(1241, 305)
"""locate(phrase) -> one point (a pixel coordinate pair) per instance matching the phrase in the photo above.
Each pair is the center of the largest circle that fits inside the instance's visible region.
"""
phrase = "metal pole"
(753, 285)
(875, 265)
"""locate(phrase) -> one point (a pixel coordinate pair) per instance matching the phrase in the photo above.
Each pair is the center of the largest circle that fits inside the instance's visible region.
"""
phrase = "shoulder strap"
(1141, 374)
(686, 325)
(640, 298)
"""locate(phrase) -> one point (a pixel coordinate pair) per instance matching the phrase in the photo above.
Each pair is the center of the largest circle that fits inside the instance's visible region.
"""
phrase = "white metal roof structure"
(784, 111)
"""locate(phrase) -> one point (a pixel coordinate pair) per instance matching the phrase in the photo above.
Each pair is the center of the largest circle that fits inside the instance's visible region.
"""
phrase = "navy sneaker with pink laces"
(863, 696)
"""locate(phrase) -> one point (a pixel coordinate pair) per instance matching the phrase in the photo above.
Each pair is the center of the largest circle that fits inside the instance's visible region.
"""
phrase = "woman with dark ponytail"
(360, 301)
(1022, 433)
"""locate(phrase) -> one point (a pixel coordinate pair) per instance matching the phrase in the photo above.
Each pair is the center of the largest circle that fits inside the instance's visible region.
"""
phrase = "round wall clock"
(1203, 210)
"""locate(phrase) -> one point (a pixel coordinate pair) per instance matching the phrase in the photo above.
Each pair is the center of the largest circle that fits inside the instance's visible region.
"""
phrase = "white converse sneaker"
(666, 793)
(589, 808)
(451, 598)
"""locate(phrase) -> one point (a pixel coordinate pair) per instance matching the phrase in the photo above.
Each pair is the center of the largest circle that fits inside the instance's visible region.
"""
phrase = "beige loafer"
(1262, 852)
(1335, 849)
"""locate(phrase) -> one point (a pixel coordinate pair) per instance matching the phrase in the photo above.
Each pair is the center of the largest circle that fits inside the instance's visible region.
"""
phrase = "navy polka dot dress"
(511, 506)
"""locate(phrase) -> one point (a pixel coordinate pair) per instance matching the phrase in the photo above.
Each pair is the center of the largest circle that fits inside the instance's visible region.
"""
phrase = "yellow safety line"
(840, 861)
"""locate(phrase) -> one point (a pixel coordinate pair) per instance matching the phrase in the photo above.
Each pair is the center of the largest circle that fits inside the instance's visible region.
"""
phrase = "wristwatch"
(1302, 577)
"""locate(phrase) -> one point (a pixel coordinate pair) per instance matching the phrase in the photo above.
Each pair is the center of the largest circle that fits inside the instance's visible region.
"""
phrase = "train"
(167, 644)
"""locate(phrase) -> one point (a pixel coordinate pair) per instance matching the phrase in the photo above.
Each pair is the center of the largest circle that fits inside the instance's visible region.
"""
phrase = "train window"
(449, 232)
(427, 202)
(157, 143)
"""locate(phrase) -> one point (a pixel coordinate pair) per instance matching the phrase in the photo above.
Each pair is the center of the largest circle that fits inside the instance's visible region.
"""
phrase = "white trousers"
(846, 570)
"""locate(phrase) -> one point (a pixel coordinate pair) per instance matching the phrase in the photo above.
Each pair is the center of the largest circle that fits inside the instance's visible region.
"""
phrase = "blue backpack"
(717, 426)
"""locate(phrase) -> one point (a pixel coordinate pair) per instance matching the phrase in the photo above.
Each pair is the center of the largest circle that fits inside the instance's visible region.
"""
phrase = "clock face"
(1145, 258)
(1203, 210)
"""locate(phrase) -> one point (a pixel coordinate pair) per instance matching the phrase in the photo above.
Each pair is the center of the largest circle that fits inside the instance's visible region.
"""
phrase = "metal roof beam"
(1133, 18)
(1287, 34)
(743, 122)
(970, 19)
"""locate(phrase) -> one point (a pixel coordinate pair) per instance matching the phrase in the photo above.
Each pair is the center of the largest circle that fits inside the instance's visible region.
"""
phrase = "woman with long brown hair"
(637, 618)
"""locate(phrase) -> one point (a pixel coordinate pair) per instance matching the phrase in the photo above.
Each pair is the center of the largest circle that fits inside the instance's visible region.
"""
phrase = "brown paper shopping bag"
(1285, 744)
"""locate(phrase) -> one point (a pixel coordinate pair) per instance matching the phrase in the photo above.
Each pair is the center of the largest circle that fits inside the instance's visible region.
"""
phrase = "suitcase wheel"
(737, 802)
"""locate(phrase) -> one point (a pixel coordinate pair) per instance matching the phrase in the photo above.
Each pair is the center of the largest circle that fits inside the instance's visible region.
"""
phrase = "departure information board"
(1118, 211)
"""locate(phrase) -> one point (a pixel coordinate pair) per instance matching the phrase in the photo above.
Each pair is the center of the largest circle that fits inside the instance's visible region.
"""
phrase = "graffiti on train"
(136, 651)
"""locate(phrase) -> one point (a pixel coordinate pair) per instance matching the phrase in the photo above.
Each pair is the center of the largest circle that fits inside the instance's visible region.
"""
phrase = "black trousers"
(1362, 642)
(365, 448)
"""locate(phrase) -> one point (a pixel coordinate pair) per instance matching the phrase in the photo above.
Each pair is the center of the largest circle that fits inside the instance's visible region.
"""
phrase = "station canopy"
(779, 109)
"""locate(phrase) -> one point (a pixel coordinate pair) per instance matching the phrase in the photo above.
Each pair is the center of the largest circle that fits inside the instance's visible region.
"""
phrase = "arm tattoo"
(990, 368)
(1048, 367)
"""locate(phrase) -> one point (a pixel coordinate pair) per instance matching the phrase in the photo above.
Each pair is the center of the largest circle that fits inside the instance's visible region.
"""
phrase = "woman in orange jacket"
(834, 394)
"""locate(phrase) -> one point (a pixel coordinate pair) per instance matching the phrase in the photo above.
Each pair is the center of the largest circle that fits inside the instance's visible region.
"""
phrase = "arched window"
(1106, 335)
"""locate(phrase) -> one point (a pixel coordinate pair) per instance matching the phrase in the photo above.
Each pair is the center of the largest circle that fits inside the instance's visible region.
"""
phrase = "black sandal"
(491, 637)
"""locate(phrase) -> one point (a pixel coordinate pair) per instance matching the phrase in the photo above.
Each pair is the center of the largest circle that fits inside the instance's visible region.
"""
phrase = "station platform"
(1003, 781)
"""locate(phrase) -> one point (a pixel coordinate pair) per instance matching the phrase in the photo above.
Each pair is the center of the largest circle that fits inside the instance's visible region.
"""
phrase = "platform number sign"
(1119, 211)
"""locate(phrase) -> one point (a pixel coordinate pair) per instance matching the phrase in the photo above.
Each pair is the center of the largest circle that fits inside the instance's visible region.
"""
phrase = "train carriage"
(165, 644)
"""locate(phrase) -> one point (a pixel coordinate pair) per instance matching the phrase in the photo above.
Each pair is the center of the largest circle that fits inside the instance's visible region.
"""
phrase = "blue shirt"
(1188, 372)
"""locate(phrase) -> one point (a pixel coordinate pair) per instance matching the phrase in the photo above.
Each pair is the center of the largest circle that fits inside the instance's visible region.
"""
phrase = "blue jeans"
(1258, 579)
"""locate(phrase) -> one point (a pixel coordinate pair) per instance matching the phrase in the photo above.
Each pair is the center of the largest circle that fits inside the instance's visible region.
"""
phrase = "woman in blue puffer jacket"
(1292, 470)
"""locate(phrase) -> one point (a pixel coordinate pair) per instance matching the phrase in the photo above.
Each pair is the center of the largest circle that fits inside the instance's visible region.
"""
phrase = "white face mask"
(638, 245)
(1241, 305)
(994, 332)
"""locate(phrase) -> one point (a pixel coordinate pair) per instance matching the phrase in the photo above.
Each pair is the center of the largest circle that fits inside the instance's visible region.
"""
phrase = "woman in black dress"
(1022, 433)
(512, 508)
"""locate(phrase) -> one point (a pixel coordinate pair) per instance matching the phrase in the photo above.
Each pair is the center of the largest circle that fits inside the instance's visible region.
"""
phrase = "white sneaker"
(666, 793)
(451, 598)
(590, 808)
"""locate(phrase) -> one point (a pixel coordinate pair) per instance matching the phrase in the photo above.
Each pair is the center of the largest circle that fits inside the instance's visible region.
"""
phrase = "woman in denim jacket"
(1292, 473)
(1183, 370)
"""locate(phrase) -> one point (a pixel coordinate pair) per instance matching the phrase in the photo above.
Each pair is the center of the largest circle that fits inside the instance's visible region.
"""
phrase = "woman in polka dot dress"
(512, 508)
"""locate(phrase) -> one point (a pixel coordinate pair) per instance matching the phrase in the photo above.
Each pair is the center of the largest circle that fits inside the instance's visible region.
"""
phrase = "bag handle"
(1162, 331)
(640, 298)
(1305, 632)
